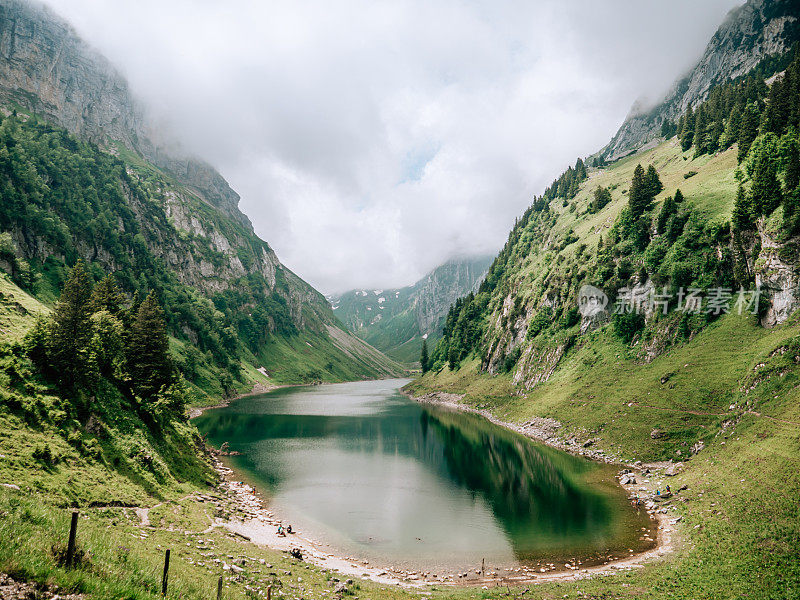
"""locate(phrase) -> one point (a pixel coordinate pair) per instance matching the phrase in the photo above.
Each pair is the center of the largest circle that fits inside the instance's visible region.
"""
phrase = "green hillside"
(714, 389)
(133, 290)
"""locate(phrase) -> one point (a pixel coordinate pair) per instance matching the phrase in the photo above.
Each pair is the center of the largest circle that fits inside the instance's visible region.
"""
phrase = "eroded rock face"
(427, 301)
(46, 68)
(750, 33)
(778, 276)
(438, 290)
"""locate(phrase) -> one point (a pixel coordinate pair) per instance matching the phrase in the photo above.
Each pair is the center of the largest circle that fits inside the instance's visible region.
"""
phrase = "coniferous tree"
(700, 122)
(748, 130)
(107, 296)
(424, 359)
(573, 188)
(580, 170)
(678, 196)
(70, 330)
(452, 358)
(687, 137)
(668, 209)
(791, 175)
(147, 352)
(601, 199)
(107, 343)
(715, 132)
(791, 213)
(639, 197)
(654, 185)
(776, 114)
(742, 217)
(762, 166)
(668, 129)
(731, 132)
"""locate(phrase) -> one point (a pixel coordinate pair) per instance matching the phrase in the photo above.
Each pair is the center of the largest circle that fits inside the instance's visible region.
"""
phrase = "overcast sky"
(371, 140)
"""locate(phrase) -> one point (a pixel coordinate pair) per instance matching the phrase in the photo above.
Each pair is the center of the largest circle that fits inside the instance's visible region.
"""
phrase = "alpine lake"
(377, 476)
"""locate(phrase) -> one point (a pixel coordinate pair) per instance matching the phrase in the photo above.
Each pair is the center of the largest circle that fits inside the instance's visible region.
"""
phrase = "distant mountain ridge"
(751, 33)
(395, 321)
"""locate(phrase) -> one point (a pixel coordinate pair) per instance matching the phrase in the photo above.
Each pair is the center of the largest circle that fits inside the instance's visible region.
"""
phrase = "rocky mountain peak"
(752, 32)
(47, 69)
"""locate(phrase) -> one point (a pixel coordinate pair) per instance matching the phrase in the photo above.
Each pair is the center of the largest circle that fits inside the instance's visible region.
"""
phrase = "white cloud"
(371, 140)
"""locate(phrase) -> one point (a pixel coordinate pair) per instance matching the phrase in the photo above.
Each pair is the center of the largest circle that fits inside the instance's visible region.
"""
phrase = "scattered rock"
(673, 469)
(10, 589)
(340, 589)
(656, 434)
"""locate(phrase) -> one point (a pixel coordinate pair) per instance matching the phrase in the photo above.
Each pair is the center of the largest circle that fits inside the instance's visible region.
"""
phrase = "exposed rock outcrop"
(752, 32)
(778, 276)
(189, 220)
(411, 312)
(47, 69)
(439, 289)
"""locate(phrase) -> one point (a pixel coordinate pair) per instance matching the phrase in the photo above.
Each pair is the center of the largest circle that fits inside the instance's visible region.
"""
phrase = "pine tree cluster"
(645, 186)
(91, 334)
(737, 112)
(568, 184)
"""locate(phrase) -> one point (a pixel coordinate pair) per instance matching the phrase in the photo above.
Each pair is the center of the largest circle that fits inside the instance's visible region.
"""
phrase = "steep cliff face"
(435, 292)
(751, 33)
(160, 218)
(777, 272)
(396, 320)
(47, 69)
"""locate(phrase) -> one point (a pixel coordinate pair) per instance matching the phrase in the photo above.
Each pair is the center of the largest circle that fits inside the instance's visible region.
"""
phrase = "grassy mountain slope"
(752, 32)
(83, 179)
(729, 387)
(718, 393)
(734, 388)
(87, 175)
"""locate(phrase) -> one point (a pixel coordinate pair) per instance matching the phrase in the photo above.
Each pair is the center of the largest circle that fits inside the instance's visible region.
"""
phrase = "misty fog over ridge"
(372, 142)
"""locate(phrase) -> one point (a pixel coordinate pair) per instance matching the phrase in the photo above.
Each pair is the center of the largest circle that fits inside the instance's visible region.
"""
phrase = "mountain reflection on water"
(381, 475)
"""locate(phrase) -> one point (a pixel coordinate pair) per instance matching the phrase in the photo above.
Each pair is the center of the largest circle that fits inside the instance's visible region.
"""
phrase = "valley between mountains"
(608, 407)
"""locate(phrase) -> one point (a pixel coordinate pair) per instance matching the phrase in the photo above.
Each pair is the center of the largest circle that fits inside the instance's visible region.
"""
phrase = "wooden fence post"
(219, 588)
(166, 574)
(73, 531)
